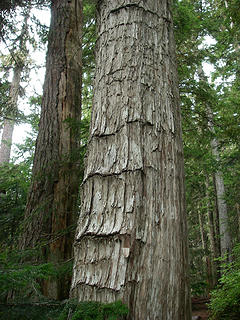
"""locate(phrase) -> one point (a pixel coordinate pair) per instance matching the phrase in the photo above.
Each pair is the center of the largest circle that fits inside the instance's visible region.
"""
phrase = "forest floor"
(199, 308)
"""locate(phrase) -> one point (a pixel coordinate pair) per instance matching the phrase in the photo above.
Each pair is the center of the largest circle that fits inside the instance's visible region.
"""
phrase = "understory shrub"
(70, 310)
(225, 300)
(90, 310)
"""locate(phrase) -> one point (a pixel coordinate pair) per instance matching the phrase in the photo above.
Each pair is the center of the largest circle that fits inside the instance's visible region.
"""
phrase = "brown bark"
(131, 240)
(51, 204)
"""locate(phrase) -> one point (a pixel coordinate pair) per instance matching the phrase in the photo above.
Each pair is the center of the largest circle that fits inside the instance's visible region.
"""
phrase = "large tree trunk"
(53, 194)
(8, 124)
(131, 240)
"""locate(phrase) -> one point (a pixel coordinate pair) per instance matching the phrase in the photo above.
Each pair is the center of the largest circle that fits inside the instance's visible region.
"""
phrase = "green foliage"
(198, 288)
(70, 310)
(187, 20)
(41, 31)
(88, 59)
(14, 183)
(30, 311)
(225, 300)
(94, 311)
(22, 278)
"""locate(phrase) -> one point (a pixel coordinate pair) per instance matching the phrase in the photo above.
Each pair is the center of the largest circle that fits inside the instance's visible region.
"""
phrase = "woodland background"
(211, 129)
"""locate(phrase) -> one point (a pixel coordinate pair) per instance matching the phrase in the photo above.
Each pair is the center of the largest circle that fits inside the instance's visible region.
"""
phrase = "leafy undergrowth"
(71, 310)
(225, 300)
(30, 311)
(20, 286)
(94, 310)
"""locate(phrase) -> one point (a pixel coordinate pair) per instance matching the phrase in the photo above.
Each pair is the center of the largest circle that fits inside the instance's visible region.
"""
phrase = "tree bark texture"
(131, 239)
(8, 124)
(53, 194)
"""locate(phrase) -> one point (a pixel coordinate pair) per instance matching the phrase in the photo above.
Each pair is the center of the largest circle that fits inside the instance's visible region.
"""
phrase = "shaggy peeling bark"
(53, 194)
(131, 240)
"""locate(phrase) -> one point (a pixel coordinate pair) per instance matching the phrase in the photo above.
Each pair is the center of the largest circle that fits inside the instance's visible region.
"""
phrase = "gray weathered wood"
(131, 240)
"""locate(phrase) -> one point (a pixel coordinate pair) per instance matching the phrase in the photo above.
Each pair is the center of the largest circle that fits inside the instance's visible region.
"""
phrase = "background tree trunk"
(8, 124)
(225, 236)
(206, 258)
(19, 58)
(53, 194)
(238, 219)
(212, 239)
(131, 240)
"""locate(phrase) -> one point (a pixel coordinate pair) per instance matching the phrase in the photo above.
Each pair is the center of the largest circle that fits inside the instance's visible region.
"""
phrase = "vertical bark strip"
(54, 190)
(131, 240)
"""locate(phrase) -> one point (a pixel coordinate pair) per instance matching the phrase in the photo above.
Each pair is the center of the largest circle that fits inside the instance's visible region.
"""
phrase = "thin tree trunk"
(216, 218)
(19, 61)
(52, 199)
(212, 239)
(202, 232)
(225, 237)
(131, 240)
(238, 220)
(8, 125)
(206, 258)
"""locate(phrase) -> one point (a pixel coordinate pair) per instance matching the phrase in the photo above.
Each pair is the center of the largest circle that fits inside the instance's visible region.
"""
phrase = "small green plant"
(90, 310)
(225, 300)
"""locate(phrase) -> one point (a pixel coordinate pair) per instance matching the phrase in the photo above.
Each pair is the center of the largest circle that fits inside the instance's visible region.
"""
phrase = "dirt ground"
(199, 308)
